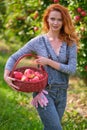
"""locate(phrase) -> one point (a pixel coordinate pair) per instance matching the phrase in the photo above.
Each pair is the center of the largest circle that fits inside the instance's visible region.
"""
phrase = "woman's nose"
(55, 22)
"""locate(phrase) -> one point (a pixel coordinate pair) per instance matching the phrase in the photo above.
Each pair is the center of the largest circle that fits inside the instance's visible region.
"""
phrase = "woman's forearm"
(69, 68)
(53, 64)
(6, 73)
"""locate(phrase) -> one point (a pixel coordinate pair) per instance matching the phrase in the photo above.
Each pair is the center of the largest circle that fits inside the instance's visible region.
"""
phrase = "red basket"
(26, 86)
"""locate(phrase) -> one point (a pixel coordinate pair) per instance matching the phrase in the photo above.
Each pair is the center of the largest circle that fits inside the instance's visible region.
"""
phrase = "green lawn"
(16, 112)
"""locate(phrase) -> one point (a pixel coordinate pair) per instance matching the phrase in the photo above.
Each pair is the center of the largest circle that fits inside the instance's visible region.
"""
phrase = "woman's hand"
(46, 61)
(9, 80)
(42, 60)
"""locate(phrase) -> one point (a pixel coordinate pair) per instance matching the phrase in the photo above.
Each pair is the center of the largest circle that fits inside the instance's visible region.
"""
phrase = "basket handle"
(25, 55)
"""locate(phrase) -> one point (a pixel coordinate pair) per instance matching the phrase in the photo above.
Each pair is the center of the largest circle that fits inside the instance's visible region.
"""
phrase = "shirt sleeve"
(70, 68)
(26, 49)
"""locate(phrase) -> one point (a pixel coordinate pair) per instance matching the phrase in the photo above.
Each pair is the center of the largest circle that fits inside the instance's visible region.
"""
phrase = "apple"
(31, 76)
(29, 73)
(30, 80)
(83, 13)
(35, 28)
(77, 18)
(17, 75)
(86, 67)
(82, 29)
(55, 1)
(24, 78)
(79, 10)
(39, 75)
(35, 79)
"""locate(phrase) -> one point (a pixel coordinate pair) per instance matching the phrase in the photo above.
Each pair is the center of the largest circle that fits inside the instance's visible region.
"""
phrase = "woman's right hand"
(9, 80)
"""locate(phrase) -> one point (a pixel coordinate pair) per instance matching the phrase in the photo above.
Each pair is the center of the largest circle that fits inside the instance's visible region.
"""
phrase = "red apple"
(30, 80)
(24, 78)
(29, 73)
(79, 10)
(83, 13)
(17, 75)
(55, 1)
(77, 18)
(36, 28)
(39, 75)
(35, 79)
(86, 67)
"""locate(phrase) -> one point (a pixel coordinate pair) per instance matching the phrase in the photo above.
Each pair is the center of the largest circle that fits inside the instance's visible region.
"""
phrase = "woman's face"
(55, 21)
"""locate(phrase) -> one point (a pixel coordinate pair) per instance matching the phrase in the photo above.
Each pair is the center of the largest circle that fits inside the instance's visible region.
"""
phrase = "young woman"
(57, 52)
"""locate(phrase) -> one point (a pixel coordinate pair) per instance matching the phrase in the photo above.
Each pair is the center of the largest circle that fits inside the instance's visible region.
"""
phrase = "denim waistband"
(63, 86)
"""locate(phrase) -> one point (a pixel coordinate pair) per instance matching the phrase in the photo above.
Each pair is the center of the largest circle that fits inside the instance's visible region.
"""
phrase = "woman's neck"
(53, 35)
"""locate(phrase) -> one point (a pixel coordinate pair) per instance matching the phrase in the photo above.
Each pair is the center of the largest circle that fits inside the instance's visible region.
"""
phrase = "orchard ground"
(77, 94)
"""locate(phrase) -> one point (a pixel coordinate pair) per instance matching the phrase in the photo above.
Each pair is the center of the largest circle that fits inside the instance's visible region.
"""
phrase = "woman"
(57, 52)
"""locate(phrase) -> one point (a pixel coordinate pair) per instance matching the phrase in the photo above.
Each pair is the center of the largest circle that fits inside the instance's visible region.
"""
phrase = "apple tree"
(20, 21)
(78, 10)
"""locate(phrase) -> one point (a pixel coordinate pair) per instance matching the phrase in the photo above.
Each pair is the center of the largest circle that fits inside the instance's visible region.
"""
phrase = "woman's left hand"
(42, 60)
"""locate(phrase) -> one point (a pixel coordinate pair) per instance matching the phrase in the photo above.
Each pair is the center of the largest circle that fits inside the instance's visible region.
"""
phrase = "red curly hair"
(67, 32)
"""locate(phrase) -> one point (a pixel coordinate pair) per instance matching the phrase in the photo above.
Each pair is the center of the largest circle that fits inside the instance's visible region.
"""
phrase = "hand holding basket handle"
(26, 86)
(26, 55)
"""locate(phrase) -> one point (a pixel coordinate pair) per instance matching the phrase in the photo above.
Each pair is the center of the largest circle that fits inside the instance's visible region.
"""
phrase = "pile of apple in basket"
(28, 75)
(29, 79)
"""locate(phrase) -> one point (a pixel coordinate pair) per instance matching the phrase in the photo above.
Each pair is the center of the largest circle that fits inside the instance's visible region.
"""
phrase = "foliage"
(20, 21)
(78, 10)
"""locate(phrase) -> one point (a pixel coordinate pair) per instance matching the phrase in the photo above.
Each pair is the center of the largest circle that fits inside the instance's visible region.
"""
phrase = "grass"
(75, 117)
(16, 112)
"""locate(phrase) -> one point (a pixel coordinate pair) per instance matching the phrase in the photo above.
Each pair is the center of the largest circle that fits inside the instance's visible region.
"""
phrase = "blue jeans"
(51, 115)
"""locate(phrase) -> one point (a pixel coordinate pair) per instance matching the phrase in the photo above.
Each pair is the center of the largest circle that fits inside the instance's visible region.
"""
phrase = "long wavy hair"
(67, 32)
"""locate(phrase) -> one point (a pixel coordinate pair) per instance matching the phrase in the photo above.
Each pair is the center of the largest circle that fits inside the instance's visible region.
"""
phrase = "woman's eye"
(59, 19)
(52, 18)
